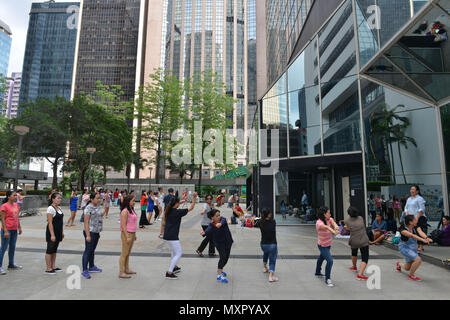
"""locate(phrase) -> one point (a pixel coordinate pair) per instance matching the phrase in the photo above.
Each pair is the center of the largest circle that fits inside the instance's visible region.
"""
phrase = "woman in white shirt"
(416, 206)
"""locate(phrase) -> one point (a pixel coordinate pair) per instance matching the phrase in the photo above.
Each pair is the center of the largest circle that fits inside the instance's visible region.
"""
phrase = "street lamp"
(91, 151)
(21, 131)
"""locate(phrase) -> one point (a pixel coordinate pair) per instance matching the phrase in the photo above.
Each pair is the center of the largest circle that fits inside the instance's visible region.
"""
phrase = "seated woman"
(446, 231)
(238, 213)
(379, 229)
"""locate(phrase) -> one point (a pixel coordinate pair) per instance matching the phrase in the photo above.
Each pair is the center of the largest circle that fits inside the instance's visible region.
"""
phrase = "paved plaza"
(295, 267)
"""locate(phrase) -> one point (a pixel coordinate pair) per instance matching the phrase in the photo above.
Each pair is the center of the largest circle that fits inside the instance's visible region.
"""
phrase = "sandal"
(124, 276)
(200, 254)
(130, 272)
(274, 279)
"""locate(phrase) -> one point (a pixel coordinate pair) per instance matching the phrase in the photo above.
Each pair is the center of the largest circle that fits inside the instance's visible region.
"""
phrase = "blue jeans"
(8, 242)
(324, 255)
(89, 252)
(270, 254)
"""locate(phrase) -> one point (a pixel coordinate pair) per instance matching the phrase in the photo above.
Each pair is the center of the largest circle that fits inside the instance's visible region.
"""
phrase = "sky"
(16, 15)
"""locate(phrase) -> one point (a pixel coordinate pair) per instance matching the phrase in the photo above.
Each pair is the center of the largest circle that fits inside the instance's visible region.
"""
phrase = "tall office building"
(5, 47)
(12, 95)
(49, 52)
(216, 35)
(107, 46)
(329, 91)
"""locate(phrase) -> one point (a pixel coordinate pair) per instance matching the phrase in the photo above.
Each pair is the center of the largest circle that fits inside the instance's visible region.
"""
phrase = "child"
(222, 240)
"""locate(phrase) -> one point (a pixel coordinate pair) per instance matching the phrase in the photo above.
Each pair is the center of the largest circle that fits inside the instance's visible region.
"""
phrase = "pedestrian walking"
(223, 241)
(397, 209)
(158, 205)
(304, 201)
(150, 206)
(267, 225)
(93, 225)
(11, 229)
(390, 208)
(20, 198)
(128, 229)
(116, 197)
(73, 208)
(440, 210)
(144, 203)
(107, 203)
(209, 205)
(372, 207)
(84, 202)
(171, 226)
(54, 233)
(411, 234)
(358, 240)
(325, 227)
(415, 205)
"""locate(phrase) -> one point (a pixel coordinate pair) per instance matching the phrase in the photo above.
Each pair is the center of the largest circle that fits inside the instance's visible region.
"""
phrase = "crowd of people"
(168, 208)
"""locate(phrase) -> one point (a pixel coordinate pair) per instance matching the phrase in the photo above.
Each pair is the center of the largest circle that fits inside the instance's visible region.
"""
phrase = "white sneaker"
(159, 219)
(2, 272)
(329, 283)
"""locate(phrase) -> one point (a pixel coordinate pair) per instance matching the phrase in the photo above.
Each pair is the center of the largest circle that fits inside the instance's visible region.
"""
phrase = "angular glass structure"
(361, 107)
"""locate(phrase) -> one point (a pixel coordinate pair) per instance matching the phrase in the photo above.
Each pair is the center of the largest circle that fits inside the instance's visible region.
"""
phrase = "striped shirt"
(325, 236)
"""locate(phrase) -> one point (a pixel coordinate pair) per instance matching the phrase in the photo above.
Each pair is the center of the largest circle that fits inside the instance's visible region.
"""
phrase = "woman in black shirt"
(267, 225)
(171, 226)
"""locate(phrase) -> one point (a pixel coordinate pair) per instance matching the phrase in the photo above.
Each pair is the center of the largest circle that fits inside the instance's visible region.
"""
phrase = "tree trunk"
(401, 161)
(392, 159)
(82, 175)
(55, 172)
(105, 171)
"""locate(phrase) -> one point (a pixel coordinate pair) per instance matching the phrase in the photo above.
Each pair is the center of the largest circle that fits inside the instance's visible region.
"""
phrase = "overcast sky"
(16, 15)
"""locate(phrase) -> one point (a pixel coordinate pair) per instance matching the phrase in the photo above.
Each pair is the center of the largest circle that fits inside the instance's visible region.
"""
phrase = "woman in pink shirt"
(397, 209)
(325, 227)
(128, 228)
(9, 212)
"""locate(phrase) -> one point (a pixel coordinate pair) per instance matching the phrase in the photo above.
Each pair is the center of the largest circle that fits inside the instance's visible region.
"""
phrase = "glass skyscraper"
(361, 107)
(49, 53)
(220, 36)
(5, 48)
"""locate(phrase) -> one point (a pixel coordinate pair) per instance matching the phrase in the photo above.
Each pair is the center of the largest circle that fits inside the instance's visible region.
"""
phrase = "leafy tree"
(49, 131)
(389, 126)
(209, 104)
(160, 110)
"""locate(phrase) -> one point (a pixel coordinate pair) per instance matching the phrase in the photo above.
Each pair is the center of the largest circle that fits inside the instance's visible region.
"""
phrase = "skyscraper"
(216, 35)
(107, 46)
(49, 53)
(12, 95)
(5, 47)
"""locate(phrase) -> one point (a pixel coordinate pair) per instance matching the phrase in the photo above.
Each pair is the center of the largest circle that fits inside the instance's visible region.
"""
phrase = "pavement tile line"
(167, 255)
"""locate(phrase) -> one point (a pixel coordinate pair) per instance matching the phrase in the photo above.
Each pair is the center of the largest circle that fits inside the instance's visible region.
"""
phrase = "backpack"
(436, 236)
(391, 225)
(249, 223)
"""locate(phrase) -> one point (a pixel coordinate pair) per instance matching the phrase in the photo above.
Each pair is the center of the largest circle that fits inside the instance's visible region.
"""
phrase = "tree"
(160, 110)
(211, 106)
(389, 126)
(92, 126)
(49, 132)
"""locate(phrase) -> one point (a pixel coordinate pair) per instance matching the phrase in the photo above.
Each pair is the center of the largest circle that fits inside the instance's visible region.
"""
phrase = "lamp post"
(21, 131)
(91, 151)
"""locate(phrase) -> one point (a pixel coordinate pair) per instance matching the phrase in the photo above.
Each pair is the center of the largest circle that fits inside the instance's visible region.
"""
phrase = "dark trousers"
(364, 253)
(143, 221)
(89, 251)
(324, 255)
(224, 254)
(156, 212)
(208, 239)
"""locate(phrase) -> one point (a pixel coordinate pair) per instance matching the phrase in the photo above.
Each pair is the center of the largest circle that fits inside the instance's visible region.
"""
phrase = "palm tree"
(387, 125)
(403, 140)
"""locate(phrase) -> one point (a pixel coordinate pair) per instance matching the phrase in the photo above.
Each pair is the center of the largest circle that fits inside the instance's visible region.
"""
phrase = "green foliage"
(160, 110)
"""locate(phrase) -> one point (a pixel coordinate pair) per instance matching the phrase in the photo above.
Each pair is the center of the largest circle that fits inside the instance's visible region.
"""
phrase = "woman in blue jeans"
(267, 225)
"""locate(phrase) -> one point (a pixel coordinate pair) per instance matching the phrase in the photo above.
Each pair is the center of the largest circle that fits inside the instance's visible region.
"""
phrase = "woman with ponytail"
(267, 225)
(411, 233)
(171, 226)
(128, 228)
(54, 233)
(9, 212)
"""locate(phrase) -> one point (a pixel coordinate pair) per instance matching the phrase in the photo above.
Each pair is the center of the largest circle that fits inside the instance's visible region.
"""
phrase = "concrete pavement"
(151, 258)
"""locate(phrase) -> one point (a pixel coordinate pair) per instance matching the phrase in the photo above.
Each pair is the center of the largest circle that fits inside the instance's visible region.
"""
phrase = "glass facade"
(348, 134)
(216, 35)
(5, 48)
(108, 46)
(49, 53)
